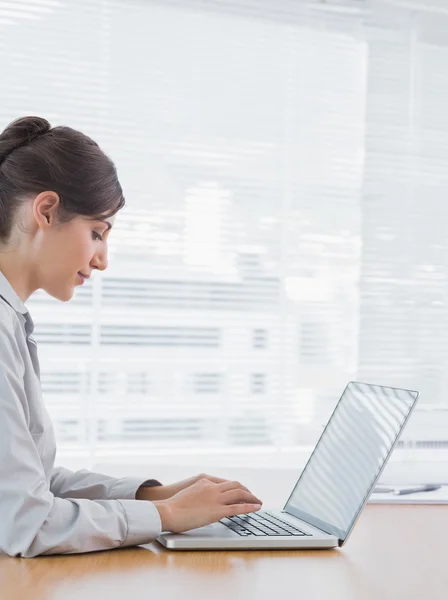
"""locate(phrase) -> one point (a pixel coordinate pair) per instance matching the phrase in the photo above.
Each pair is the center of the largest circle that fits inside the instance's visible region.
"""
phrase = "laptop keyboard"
(261, 524)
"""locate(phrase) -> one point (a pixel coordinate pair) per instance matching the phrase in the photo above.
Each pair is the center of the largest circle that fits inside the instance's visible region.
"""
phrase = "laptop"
(333, 488)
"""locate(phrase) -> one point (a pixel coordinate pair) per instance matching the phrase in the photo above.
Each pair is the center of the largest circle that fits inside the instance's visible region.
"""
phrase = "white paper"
(439, 496)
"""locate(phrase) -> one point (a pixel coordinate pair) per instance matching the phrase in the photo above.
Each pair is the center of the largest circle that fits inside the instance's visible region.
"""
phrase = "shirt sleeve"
(33, 521)
(95, 486)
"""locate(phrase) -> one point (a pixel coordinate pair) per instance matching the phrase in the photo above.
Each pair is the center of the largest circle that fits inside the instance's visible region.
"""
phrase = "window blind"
(284, 168)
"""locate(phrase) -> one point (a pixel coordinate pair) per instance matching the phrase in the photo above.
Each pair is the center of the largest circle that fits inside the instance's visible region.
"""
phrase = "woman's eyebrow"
(109, 226)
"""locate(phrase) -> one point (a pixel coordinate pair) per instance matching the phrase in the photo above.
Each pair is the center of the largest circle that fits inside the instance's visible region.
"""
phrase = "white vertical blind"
(284, 167)
(404, 312)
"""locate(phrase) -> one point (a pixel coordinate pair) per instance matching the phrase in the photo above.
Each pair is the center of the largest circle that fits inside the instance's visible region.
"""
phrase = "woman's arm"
(96, 486)
(32, 520)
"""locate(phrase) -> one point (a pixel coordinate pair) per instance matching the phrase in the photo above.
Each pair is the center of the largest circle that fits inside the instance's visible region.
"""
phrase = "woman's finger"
(239, 496)
(239, 509)
(212, 478)
(232, 485)
(219, 480)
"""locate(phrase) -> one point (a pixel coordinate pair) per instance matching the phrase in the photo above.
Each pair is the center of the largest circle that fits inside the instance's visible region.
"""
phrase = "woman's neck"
(16, 269)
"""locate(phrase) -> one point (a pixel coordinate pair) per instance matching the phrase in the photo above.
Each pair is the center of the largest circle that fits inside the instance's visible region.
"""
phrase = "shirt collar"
(9, 295)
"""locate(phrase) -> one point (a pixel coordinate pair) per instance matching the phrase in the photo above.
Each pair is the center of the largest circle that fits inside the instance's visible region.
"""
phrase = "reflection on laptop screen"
(350, 454)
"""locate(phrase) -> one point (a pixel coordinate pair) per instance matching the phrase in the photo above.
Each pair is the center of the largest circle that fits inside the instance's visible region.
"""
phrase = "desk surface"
(396, 552)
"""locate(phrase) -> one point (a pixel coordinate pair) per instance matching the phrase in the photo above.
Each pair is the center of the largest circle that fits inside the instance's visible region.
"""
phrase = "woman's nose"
(100, 261)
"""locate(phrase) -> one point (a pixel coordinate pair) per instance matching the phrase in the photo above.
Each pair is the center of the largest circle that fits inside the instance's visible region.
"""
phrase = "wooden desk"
(395, 552)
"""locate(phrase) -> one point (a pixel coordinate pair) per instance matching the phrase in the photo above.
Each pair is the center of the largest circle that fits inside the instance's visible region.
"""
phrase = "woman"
(59, 194)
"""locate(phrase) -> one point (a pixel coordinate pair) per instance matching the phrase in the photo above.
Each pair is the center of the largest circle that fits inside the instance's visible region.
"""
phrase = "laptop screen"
(350, 455)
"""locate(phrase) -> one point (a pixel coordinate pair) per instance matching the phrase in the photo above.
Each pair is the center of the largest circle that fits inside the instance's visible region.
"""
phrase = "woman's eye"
(96, 236)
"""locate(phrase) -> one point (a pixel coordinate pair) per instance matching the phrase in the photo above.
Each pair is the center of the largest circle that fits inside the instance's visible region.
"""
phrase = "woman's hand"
(163, 492)
(205, 502)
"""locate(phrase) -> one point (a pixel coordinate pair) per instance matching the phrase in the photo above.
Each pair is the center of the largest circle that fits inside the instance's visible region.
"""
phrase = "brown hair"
(35, 157)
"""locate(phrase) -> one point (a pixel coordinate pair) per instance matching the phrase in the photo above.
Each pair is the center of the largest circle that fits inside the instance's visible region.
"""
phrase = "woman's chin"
(62, 294)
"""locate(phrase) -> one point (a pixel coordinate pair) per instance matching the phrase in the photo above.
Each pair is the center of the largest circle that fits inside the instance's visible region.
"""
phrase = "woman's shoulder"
(13, 347)
(9, 320)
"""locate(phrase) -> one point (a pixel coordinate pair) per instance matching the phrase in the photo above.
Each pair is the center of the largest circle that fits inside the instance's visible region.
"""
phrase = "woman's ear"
(45, 208)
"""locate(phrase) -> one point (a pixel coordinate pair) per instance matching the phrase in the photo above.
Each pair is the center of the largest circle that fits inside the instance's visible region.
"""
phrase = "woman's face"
(68, 251)
(80, 246)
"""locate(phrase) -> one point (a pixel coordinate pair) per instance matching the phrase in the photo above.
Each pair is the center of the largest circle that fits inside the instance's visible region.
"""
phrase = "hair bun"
(20, 133)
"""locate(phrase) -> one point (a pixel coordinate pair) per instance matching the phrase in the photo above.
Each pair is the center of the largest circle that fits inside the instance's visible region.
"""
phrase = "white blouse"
(46, 509)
